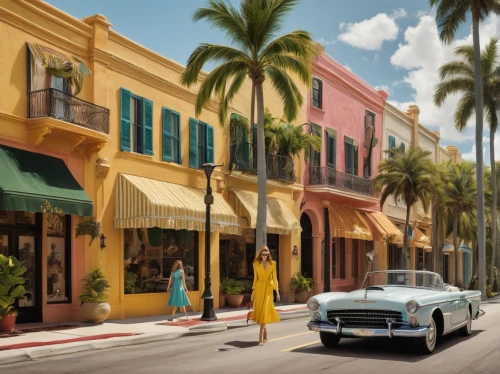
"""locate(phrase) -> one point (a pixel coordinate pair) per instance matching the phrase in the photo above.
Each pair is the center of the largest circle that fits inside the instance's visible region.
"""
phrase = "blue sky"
(391, 44)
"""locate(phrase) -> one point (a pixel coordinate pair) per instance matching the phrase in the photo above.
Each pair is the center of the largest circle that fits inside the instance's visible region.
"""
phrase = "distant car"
(395, 303)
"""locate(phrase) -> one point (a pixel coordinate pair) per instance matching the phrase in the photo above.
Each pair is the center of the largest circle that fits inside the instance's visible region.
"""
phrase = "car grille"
(364, 318)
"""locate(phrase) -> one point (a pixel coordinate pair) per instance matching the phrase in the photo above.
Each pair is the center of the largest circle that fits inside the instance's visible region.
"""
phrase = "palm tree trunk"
(493, 208)
(455, 245)
(261, 226)
(434, 237)
(481, 220)
(252, 116)
(405, 238)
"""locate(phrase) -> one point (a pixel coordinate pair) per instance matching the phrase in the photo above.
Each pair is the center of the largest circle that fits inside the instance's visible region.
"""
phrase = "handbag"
(250, 309)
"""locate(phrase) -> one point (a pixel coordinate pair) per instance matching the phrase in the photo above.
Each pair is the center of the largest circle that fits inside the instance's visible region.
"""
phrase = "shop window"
(58, 258)
(150, 254)
(342, 258)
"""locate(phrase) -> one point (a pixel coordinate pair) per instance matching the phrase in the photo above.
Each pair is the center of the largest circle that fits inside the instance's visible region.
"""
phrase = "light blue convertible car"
(395, 303)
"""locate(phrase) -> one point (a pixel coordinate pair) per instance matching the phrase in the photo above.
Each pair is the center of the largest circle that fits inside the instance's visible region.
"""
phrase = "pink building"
(339, 205)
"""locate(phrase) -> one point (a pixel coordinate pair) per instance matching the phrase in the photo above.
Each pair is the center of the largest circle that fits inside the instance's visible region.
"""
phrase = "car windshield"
(404, 278)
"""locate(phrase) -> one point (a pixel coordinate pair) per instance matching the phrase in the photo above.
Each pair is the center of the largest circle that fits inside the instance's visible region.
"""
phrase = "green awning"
(31, 182)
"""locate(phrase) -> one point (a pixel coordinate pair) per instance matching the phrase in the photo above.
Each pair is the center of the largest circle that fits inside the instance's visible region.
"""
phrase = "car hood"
(383, 298)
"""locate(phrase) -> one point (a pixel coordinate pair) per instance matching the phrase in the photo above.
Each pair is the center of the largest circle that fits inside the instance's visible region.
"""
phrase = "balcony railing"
(57, 104)
(244, 157)
(324, 175)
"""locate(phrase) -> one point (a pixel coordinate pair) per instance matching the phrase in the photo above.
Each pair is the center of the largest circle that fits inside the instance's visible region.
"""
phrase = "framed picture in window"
(25, 218)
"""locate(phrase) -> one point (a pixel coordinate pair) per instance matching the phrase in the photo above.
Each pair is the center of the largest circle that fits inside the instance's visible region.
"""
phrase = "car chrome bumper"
(479, 313)
(400, 331)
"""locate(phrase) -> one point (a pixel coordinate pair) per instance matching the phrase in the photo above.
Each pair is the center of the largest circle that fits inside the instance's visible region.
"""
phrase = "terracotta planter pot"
(7, 323)
(95, 312)
(222, 301)
(301, 295)
(234, 301)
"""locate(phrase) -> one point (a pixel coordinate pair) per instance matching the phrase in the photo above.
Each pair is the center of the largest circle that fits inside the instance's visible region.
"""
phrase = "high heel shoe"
(265, 335)
(260, 343)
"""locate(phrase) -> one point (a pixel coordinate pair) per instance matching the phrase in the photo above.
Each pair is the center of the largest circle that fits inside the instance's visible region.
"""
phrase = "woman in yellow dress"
(264, 282)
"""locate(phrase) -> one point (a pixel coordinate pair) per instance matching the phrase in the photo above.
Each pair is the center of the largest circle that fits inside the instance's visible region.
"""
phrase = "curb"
(30, 354)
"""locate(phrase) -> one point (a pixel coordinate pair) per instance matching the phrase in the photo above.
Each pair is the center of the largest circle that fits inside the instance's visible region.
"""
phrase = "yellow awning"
(145, 202)
(279, 218)
(385, 227)
(420, 240)
(348, 223)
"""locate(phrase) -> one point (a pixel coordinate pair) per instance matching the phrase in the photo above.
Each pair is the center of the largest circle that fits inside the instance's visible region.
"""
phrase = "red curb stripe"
(54, 342)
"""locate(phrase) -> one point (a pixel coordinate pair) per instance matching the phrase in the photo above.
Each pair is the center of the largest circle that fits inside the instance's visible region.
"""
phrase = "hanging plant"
(89, 227)
(155, 236)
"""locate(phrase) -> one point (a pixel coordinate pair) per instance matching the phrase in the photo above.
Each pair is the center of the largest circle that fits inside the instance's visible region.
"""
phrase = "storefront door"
(23, 243)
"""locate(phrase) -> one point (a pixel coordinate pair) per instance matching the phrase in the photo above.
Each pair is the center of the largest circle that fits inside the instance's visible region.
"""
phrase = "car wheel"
(467, 329)
(328, 339)
(426, 344)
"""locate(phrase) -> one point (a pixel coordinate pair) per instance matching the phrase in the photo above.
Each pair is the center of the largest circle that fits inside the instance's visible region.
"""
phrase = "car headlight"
(312, 304)
(412, 307)
(316, 316)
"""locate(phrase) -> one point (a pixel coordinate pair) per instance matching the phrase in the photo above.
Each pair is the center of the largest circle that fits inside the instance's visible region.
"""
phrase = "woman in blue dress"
(178, 289)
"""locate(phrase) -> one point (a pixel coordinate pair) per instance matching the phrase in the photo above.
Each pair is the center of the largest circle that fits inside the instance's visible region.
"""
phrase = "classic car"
(395, 303)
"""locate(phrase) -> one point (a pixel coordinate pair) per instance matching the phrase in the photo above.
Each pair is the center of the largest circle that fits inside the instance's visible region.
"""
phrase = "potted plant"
(95, 307)
(233, 288)
(11, 288)
(301, 285)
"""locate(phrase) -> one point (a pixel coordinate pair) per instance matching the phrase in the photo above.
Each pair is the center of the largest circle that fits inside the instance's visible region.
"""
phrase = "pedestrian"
(264, 282)
(178, 289)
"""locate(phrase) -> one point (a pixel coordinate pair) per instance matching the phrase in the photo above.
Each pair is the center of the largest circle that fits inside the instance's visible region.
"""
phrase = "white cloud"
(371, 33)
(383, 87)
(422, 55)
(422, 13)
(326, 42)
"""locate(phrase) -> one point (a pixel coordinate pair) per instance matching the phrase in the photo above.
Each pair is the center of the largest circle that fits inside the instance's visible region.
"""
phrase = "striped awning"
(280, 219)
(387, 230)
(144, 202)
(420, 240)
(348, 223)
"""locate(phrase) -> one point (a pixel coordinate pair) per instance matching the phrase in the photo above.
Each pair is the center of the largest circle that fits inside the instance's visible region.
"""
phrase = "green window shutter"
(210, 144)
(392, 141)
(193, 143)
(348, 158)
(166, 138)
(147, 127)
(246, 147)
(330, 150)
(125, 119)
(355, 160)
(176, 128)
(403, 146)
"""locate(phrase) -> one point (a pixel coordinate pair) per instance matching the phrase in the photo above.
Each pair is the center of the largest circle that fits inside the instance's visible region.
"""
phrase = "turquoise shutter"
(147, 127)
(166, 134)
(210, 143)
(58, 83)
(193, 143)
(178, 156)
(403, 146)
(125, 119)
(392, 141)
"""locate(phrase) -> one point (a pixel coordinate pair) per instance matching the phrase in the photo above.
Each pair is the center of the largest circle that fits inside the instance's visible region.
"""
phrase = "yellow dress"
(264, 282)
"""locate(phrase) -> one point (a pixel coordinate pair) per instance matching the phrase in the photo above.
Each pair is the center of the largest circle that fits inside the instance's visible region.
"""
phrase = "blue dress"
(178, 296)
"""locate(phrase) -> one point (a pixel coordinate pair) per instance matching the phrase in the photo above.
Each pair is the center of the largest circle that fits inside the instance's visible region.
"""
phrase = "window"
(342, 258)
(351, 156)
(403, 147)
(150, 254)
(136, 123)
(317, 93)
(330, 150)
(334, 258)
(58, 259)
(171, 136)
(201, 143)
(392, 141)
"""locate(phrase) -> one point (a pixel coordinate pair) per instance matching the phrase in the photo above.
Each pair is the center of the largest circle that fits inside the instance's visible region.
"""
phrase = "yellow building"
(134, 149)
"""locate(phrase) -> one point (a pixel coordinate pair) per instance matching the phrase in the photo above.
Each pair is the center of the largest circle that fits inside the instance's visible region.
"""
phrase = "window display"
(149, 255)
(57, 259)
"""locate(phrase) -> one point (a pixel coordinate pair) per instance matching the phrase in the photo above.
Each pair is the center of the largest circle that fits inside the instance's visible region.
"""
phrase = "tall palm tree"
(256, 55)
(460, 198)
(450, 15)
(406, 175)
(458, 77)
(438, 183)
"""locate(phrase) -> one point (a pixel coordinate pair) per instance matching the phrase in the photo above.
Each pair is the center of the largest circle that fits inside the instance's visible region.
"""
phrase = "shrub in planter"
(233, 288)
(11, 288)
(95, 296)
(301, 285)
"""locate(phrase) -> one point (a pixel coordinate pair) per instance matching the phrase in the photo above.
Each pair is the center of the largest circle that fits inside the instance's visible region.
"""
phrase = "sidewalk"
(32, 341)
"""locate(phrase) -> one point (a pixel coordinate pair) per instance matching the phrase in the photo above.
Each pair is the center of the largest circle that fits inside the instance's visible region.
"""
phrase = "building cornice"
(12, 118)
(132, 71)
(57, 16)
(391, 109)
(41, 33)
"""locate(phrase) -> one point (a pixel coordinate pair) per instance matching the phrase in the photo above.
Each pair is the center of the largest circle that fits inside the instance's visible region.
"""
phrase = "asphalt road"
(290, 349)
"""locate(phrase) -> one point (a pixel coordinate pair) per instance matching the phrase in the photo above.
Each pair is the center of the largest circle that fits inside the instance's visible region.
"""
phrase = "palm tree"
(256, 55)
(450, 15)
(458, 77)
(460, 198)
(406, 175)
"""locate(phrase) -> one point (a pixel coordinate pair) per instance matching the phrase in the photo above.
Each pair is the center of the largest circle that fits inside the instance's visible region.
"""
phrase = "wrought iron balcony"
(244, 158)
(57, 104)
(324, 175)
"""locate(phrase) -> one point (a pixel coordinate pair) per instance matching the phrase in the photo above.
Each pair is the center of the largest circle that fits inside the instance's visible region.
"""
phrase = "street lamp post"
(208, 297)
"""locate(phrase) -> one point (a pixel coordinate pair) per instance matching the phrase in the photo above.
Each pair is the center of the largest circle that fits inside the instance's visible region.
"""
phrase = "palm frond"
(450, 14)
(235, 86)
(292, 64)
(451, 86)
(296, 43)
(464, 111)
(287, 90)
(456, 69)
